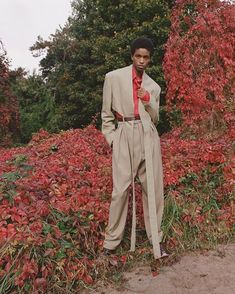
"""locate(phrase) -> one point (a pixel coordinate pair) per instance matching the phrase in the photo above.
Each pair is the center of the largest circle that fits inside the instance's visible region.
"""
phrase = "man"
(132, 98)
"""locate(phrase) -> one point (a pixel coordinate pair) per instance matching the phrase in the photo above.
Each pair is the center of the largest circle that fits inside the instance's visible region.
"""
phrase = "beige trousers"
(128, 159)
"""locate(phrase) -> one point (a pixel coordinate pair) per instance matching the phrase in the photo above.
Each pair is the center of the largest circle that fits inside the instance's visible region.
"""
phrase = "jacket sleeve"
(108, 125)
(152, 106)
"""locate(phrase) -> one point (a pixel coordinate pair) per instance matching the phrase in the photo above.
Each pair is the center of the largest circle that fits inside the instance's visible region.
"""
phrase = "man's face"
(141, 59)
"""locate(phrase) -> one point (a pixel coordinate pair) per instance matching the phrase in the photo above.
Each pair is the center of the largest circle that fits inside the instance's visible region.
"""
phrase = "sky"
(22, 21)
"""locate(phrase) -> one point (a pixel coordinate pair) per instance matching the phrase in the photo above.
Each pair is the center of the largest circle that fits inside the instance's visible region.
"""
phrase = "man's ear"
(132, 57)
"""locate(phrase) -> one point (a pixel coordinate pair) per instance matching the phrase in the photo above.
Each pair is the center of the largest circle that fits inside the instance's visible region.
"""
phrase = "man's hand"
(141, 92)
(143, 95)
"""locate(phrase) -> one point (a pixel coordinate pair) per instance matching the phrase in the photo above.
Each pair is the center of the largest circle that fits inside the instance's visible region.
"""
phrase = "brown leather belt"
(128, 118)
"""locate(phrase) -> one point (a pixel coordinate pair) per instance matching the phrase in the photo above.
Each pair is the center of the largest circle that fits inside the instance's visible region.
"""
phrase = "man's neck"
(139, 74)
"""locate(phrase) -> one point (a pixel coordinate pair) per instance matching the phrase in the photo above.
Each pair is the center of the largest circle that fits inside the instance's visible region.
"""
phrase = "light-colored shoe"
(164, 251)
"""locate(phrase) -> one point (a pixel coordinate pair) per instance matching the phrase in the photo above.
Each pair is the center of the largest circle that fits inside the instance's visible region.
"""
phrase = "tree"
(35, 102)
(9, 108)
(96, 40)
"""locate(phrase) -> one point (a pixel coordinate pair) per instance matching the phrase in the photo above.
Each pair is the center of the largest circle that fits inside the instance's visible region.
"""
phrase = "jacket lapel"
(127, 91)
(145, 80)
(128, 80)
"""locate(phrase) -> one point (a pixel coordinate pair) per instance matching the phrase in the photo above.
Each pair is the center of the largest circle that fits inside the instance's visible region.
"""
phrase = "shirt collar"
(134, 74)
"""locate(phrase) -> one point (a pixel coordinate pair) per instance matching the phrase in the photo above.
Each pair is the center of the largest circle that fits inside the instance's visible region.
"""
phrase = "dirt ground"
(211, 272)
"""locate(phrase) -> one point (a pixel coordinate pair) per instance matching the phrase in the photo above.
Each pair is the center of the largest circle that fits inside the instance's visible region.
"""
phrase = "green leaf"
(60, 254)
(65, 244)
(11, 176)
(48, 244)
(46, 229)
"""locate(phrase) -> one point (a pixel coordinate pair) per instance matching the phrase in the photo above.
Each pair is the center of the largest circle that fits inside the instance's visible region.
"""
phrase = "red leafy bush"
(199, 67)
(199, 63)
(54, 201)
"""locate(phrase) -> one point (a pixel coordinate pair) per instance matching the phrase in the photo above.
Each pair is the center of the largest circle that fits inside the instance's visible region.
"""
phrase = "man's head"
(141, 52)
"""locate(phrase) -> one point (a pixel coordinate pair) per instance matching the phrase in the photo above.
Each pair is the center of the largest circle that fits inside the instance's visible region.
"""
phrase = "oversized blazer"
(118, 97)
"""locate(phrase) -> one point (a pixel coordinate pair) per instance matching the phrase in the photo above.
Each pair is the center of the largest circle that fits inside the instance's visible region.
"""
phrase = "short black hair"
(142, 42)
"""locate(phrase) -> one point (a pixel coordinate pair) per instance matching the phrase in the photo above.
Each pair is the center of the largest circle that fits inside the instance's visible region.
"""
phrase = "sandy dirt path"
(212, 272)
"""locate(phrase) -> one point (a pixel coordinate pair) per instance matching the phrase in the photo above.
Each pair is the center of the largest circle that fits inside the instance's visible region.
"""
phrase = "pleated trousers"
(128, 162)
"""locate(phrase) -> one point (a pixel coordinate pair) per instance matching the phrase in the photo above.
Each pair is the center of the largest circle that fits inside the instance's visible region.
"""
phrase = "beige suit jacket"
(118, 96)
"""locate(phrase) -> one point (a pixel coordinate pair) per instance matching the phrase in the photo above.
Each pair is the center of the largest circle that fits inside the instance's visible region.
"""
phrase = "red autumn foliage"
(199, 67)
(199, 63)
(55, 195)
